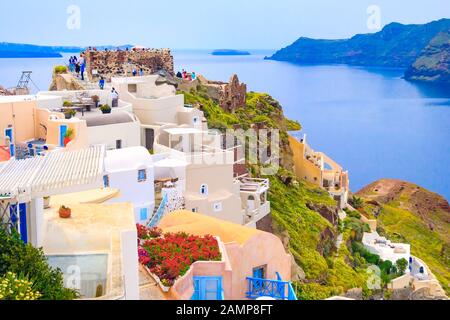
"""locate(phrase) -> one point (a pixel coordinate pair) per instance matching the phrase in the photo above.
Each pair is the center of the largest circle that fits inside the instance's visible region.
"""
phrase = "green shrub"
(357, 202)
(60, 69)
(13, 287)
(31, 263)
(315, 291)
(352, 213)
(401, 265)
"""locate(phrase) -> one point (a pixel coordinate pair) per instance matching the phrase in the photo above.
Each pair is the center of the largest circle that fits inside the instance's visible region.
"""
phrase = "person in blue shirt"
(83, 66)
(193, 76)
(101, 83)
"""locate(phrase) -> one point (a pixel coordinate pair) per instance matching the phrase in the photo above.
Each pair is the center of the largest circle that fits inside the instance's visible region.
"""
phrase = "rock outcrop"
(411, 214)
(433, 65)
(64, 81)
(122, 62)
(229, 95)
(5, 92)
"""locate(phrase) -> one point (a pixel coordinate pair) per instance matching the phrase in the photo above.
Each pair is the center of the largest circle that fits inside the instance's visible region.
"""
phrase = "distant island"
(230, 52)
(20, 50)
(422, 50)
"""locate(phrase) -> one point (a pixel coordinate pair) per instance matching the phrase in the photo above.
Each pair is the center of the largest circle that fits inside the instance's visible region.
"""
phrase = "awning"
(57, 172)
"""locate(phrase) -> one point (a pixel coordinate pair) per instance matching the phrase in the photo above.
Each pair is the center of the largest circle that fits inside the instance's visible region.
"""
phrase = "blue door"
(9, 133)
(62, 134)
(18, 214)
(207, 288)
(23, 222)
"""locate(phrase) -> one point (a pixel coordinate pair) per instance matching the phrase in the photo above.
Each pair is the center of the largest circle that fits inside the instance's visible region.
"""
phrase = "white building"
(116, 130)
(102, 236)
(131, 171)
(386, 249)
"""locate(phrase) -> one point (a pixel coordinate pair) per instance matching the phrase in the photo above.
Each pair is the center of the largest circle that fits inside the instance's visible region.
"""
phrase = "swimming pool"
(88, 273)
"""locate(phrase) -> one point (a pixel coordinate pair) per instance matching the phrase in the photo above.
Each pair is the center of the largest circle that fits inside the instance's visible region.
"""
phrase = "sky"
(204, 24)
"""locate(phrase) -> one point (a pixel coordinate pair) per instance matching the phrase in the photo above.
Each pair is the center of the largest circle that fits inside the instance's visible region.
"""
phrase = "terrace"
(265, 288)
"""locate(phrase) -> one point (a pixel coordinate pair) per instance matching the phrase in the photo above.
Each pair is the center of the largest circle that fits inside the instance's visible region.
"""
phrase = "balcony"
(276, 289)
(253, 185)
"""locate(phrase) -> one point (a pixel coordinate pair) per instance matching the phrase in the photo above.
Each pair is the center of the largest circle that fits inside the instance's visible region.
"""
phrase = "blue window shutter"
(144, 214)
(62, 133)
(106, 181)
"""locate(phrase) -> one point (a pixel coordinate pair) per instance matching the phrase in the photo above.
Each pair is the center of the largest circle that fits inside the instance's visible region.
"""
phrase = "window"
(132, 88)
(106, 181)
(118, 144)
(143, 214)
(260, 272)
(142, 175)
(204, 190)
(218, 207)
(195, 119)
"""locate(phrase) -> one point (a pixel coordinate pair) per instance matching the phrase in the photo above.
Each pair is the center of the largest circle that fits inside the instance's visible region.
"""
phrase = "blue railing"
(277, 289)
(159, 213)
(291, 292)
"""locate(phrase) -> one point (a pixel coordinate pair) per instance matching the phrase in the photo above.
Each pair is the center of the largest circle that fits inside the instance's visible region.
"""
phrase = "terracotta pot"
(65, 213)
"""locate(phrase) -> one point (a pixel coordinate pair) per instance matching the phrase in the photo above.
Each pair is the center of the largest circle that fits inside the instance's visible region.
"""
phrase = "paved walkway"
(148, 288)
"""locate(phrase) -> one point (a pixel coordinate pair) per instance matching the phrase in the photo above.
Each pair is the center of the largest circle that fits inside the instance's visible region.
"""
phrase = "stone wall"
(120, 63)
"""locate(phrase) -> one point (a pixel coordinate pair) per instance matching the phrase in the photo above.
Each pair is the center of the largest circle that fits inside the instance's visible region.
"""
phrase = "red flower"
(171, 255)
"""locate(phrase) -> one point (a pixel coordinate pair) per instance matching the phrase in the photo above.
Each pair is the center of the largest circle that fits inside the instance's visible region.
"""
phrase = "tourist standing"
(101, 83)
(141, 72)
(114, 98)
(193, 76)
(179, 75)
(134, 72)
(77, 69)
(83, 66)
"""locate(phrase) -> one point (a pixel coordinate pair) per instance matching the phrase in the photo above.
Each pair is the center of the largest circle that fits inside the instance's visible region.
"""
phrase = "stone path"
(148, 288)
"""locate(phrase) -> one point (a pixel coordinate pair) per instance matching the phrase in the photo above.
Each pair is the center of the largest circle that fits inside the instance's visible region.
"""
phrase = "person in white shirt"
(114, 98)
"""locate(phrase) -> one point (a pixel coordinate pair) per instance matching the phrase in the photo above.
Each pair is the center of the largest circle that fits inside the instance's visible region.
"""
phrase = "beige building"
(181, 132)
(34, 129)
(319, 169)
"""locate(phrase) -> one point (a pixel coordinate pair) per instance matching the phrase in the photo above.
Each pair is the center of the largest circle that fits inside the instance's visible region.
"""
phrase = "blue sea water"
(370, 120)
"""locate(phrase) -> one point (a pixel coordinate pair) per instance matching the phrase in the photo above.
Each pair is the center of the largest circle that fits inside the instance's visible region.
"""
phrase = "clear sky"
(201, 24)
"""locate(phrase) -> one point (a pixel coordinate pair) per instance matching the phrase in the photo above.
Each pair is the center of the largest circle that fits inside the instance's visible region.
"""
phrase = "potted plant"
(46, 202)
(65, 212)
(69, 113)
(68, 136)
(96, 100)
(105, 108)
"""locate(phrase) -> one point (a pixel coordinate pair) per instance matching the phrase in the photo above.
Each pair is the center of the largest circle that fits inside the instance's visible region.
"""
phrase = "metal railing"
(277, 289)
(159, 213)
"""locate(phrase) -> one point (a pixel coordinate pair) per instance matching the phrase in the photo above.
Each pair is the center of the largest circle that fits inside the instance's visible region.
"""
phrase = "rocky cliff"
(433, 64)
(397, 45)
(409, 213)
(64, 81)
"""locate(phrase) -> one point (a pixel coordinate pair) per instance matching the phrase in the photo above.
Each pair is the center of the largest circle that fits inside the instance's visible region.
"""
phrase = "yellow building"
(319, 169)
